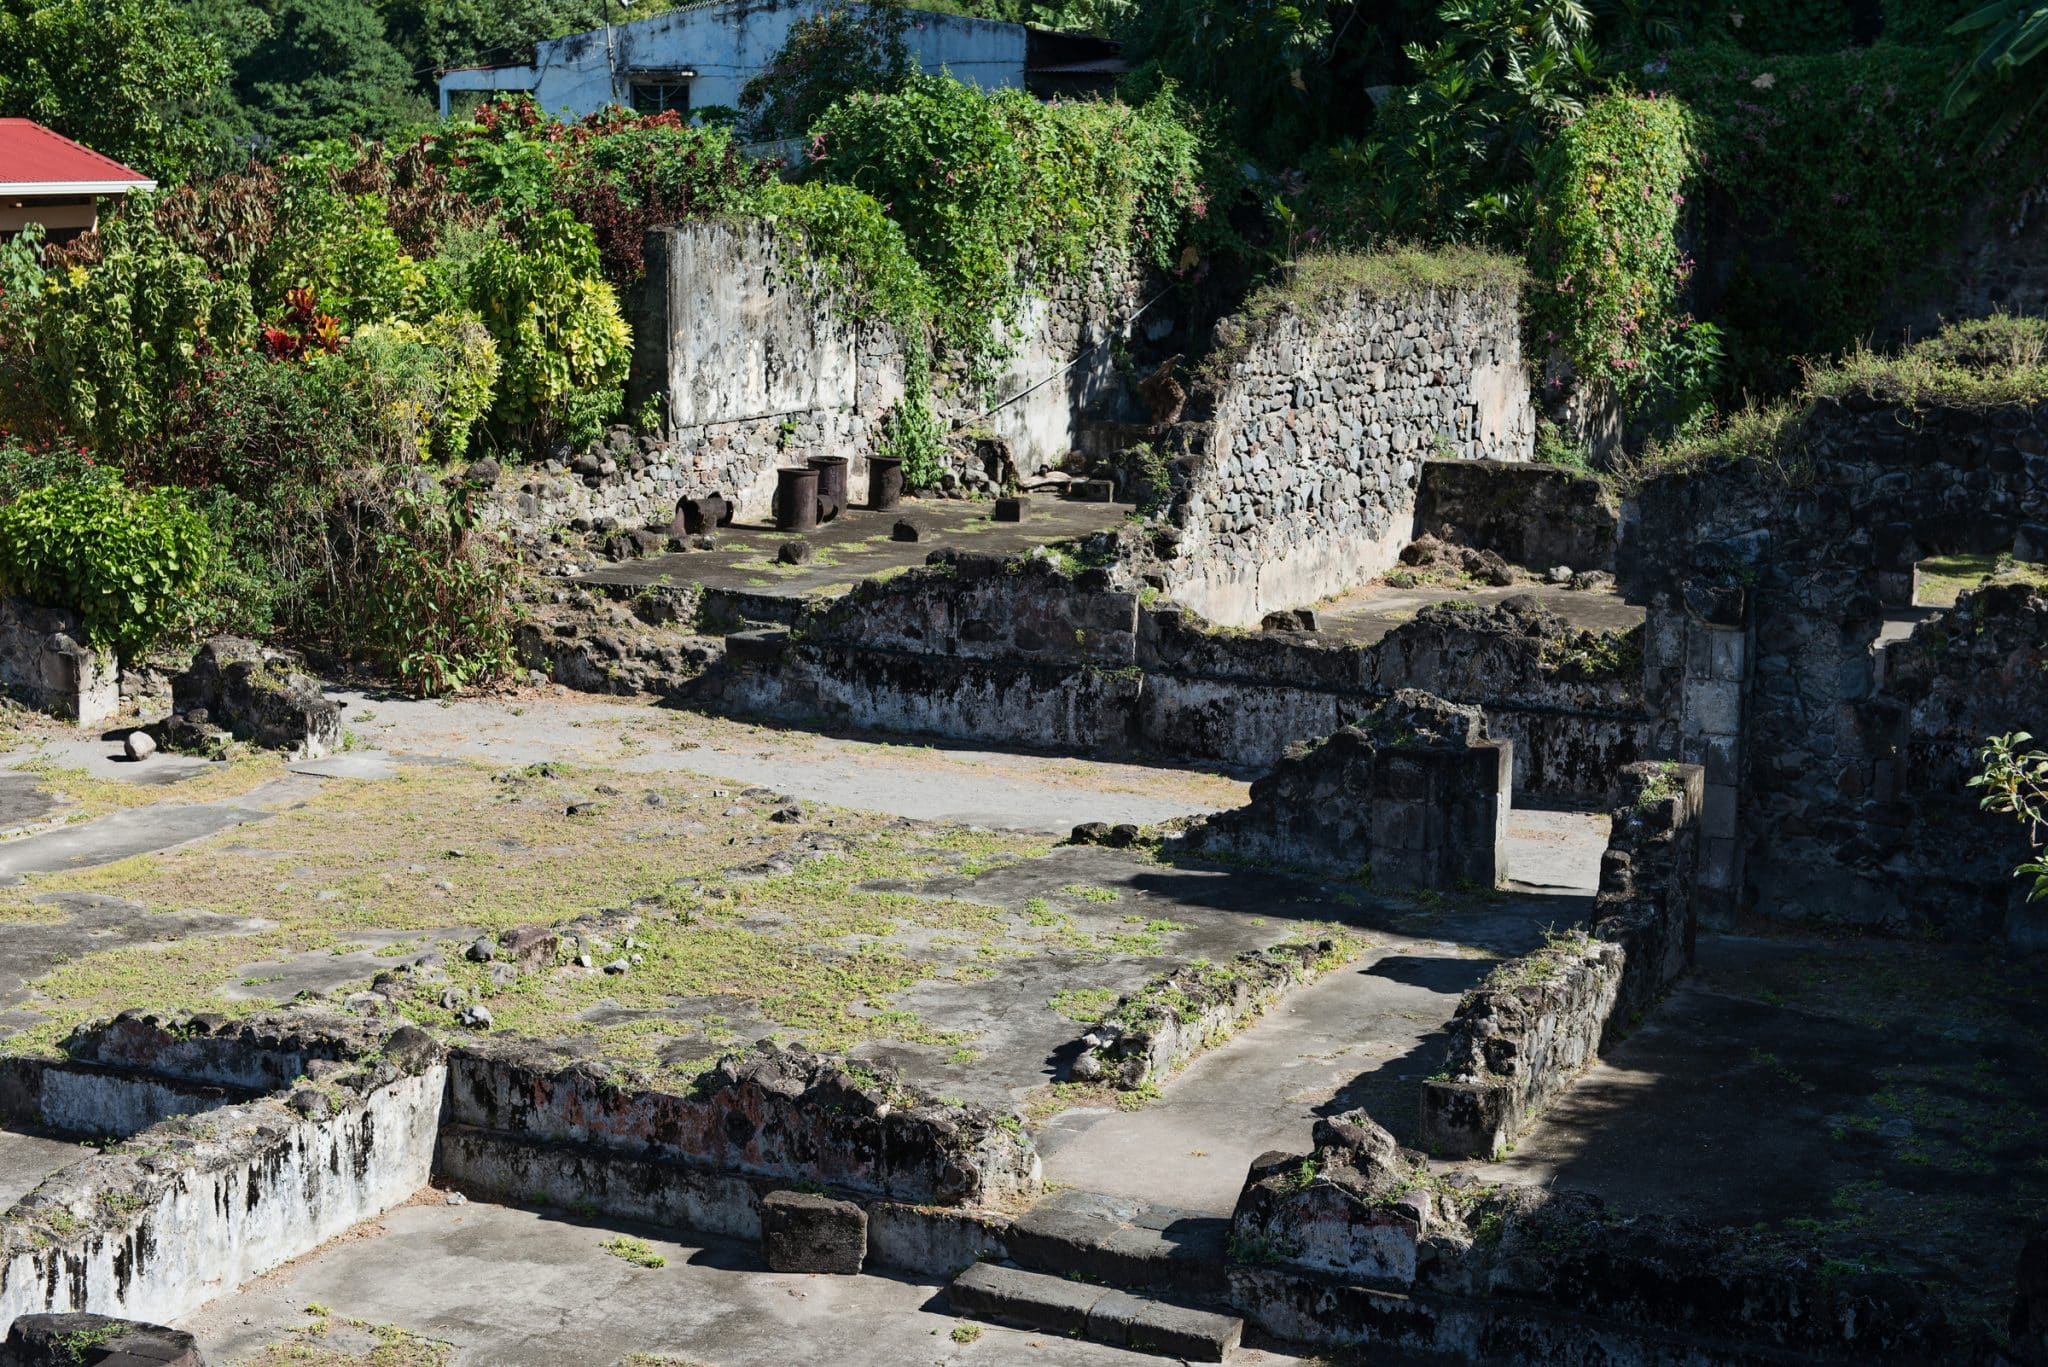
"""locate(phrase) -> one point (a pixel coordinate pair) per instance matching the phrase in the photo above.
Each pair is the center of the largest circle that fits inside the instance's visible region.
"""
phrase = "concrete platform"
(854, 546)
(515, 1288)
(26, 1159)
(1364, 616)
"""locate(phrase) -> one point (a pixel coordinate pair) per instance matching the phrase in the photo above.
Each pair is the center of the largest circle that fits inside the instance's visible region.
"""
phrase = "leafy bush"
(1840, 188)
(427, 383)
(28, 465)
(982, 184)
(941, 158)
(257, 426)
(120, 343)
(340, 246)
(132, 564)
(838, 51)
(1606, 247)
(616, 172)
(564, 347)
(856, 247)
(434, 607)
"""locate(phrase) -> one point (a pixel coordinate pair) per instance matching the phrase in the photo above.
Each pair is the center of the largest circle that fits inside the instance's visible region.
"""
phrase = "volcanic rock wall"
(1300, 481)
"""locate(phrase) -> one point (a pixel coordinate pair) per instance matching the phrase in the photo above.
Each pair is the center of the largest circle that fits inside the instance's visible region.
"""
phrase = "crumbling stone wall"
(1356, 1242)
(196, 1205)
(753, 365)
(45, 662)
(1413, 795)
(980, 648)
(1297, 477)
(777, 1113)
(250, 692)
(1063, 368)
(1151, 1033)
(1835, 768)
(1540, 516)
(1521, 1039)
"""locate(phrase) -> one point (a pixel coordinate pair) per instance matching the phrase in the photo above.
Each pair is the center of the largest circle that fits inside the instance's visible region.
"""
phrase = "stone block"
(84, 1340)
(805, 1233)
(1011, 508)
(1718, 811)
(532, 948)
(44, 661)
(1712, 707)
(1092, 491)
(1464, 1119)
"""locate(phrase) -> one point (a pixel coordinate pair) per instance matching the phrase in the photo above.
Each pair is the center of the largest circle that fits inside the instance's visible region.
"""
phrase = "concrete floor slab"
(857, 546)
(26, 1159)
(514, 1288)
(141, 830)
(1003, 790)
(1364, 616)
(24, 801)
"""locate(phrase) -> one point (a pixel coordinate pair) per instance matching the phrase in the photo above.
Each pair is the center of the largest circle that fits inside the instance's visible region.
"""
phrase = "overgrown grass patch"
(818, 951)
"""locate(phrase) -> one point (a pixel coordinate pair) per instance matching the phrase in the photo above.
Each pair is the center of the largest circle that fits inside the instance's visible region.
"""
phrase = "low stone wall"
(96, 1341)
(1413, 795)
(1357, 1243)
(1151, 1034)
(1523, 1037)
(45, 663)
(79, 1099)
(1540, 516)
(979, 648)
(785, 1115)
(1298, 477)
(192, 1208)
(262, 1053)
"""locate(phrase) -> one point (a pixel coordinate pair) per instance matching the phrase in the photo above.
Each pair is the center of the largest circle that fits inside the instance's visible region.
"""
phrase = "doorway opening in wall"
(659, 93)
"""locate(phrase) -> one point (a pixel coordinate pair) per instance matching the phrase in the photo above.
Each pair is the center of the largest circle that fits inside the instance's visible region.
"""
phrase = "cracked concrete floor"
(517, 1288)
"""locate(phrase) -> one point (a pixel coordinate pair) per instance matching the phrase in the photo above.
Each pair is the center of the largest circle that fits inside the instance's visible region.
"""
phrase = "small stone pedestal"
(804, 1233)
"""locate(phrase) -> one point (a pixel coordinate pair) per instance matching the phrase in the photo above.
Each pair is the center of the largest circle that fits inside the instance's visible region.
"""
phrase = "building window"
(658, 97)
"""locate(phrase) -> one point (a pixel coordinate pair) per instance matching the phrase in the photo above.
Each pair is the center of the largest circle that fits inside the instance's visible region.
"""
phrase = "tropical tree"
(133, 79)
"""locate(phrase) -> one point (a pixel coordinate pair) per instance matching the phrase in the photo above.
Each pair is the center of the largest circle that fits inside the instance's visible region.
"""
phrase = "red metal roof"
(34, 160)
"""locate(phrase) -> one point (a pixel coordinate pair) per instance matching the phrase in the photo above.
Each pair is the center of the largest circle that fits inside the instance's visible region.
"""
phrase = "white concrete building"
(704, 54)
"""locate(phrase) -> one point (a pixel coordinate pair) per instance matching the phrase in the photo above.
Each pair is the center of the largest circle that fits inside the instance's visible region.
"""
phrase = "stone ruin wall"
(1836, 768)
(752, 368)
(1301, 481)
(978, 648)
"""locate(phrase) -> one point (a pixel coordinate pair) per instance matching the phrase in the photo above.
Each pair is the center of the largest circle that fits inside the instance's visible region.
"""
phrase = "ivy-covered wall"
(747, 346)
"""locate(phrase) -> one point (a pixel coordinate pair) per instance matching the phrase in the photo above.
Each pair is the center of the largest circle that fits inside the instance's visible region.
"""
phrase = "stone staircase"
(1112, 1270)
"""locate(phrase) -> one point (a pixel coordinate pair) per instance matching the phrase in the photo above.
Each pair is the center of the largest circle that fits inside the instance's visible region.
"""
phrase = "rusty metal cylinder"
(796, 499)
(885, 482)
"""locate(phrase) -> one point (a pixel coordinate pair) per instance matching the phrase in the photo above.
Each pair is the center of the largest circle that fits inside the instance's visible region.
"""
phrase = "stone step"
(1122, 1242)
(1104, 1314)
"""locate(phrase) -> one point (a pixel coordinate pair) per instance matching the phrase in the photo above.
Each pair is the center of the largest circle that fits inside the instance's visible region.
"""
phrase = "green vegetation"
(2014, 781)
(636, 1251)
(1083, 1005)
(1980, 364)
(1606, 245)
(132, 565)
